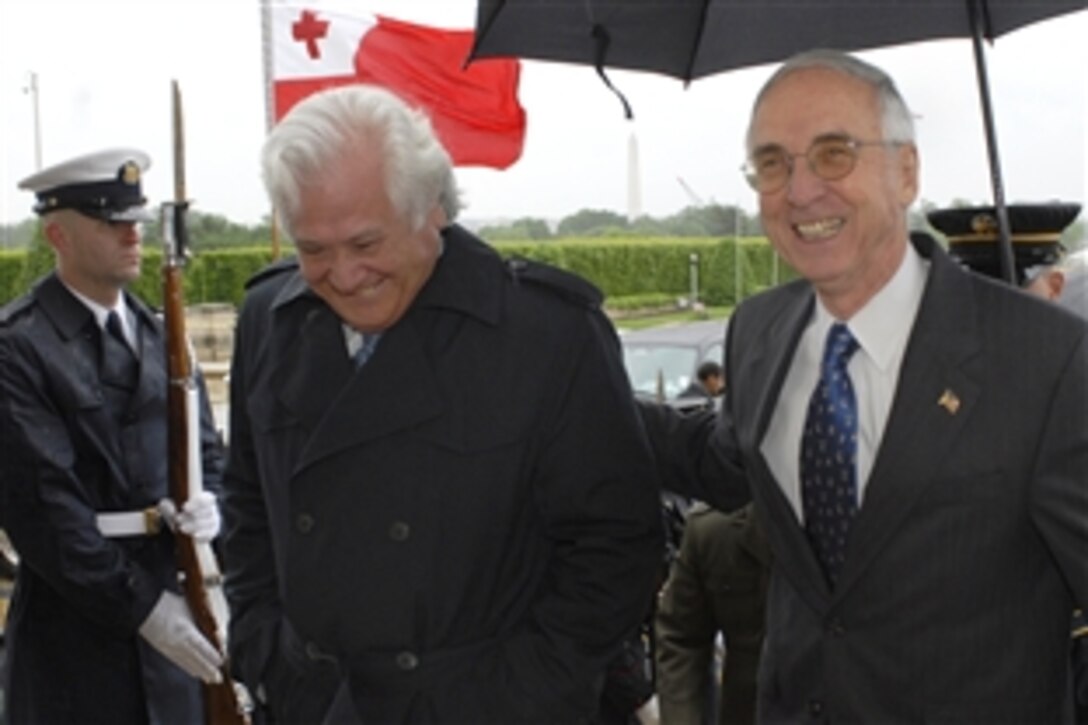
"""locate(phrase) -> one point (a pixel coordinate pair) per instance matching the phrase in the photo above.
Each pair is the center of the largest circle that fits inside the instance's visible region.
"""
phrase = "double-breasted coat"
(66, 453)
(463, 529)
(968, 552)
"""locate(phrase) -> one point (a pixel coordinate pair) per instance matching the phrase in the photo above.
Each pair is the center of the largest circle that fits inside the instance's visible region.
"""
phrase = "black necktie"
(119, 365)
(829, 445)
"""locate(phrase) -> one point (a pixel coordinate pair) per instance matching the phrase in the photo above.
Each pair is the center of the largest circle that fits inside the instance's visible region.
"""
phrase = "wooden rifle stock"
(223, 704)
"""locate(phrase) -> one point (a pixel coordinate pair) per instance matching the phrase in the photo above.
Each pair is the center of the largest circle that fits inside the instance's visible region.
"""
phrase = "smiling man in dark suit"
(915, 437)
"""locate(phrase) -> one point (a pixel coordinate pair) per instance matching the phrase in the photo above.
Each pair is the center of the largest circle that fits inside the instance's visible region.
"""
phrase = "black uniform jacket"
(73, 651)
(466, 526)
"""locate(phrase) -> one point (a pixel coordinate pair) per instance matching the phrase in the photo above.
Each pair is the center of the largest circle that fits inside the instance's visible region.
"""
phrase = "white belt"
(147, 522)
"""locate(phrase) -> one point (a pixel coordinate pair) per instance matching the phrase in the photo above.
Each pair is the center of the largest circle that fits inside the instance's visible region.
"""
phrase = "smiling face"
(96, 257)
(846, 236)
(355, 251)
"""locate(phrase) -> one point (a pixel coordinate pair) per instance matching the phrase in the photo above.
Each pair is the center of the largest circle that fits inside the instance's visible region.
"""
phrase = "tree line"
(214, 231)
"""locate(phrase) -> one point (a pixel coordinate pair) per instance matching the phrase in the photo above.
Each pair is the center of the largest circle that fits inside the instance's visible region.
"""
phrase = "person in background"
(1036, 230)
(709, 382)
(1074, 268)
(717, 587)
(440, 505)
(913, 436)
(97, 630)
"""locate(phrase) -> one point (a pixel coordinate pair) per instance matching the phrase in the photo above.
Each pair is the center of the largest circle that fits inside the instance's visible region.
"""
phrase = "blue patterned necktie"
(366, 348)
(829, 444)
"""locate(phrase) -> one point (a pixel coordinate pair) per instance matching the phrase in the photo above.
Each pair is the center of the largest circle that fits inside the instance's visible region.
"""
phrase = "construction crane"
(695, 199)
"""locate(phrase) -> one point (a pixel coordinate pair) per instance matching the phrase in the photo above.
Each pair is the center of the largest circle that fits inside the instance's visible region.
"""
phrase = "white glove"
(649, 714)
(199, 517)
(170, 629)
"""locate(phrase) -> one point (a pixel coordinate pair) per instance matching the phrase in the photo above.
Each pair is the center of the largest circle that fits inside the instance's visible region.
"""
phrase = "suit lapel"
(768, 364)
(933, 402)
(311, 359)
(73, 322)
(396, 389)
(765, 370)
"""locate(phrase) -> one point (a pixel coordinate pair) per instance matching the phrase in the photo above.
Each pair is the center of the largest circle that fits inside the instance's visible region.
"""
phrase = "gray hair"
(320, 129)
(897, 124)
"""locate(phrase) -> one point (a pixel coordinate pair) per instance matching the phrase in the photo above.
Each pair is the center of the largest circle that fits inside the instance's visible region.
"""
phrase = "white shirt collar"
(101, 312)
(882, 326)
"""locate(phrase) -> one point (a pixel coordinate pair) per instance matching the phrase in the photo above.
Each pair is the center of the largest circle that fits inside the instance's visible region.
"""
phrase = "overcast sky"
(104, 68)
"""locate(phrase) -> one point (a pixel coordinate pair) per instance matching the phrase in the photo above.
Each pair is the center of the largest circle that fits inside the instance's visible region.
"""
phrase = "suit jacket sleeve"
(695, 455)
(1059, 494)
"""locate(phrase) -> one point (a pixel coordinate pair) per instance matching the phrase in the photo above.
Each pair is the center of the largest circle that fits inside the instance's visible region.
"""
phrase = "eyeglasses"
(829, 157)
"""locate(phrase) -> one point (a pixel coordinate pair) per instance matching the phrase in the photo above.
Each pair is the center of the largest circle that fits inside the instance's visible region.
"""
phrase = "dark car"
(661, 361)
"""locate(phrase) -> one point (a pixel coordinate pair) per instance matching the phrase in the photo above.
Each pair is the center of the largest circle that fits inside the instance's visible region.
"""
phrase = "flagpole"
(269, 100)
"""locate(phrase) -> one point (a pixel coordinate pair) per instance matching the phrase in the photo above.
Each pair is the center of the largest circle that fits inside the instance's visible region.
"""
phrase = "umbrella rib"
(697, 42)
(482, 32)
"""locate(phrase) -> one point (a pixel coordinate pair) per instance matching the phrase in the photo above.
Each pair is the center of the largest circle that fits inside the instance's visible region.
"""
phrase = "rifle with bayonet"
(201, 580)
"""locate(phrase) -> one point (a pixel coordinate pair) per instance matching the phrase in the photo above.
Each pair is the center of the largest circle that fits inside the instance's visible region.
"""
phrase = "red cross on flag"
(474, 110)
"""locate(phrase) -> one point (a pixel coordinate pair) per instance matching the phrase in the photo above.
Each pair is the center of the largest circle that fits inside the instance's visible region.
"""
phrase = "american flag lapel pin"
(949, 401)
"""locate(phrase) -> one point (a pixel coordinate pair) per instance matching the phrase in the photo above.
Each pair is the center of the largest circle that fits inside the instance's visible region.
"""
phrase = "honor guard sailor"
(97, 631)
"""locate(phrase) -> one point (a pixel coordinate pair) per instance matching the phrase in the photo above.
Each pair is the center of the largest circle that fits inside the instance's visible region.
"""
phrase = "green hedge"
(632, 267)
(643, 266)
(11, 272)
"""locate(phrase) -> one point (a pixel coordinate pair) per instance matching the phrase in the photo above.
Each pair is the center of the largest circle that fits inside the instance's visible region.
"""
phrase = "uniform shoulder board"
(287, 264)
(12, 309)
(566, 284)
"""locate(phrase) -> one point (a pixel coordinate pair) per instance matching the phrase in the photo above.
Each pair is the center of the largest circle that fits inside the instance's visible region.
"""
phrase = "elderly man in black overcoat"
(440, 504)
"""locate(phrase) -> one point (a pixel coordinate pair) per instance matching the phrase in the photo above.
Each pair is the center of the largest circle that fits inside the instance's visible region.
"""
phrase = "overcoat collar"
(397, 388)
(72, 319)
(69, 315)
(922, 427)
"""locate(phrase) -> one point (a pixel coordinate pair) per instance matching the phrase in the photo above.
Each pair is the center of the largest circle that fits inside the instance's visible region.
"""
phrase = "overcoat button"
(399, 531)
(815, 708)
(304, 523)
(407, 661)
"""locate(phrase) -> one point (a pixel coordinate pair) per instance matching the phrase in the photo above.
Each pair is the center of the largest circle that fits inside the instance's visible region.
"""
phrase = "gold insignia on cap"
(130, 173)
(949, 401)
(984, 224)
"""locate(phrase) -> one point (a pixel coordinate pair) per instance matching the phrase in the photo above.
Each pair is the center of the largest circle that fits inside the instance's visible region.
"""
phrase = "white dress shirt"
(100, 312)
(882, 328)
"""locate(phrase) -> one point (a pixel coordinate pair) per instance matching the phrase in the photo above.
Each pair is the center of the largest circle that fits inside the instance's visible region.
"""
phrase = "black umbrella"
(689, 39)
